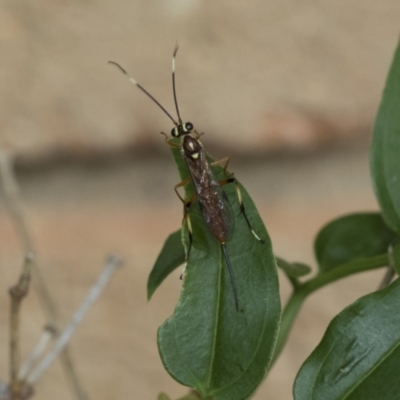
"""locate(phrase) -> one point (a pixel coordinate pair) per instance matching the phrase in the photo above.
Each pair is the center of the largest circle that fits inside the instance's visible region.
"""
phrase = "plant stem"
(298, 296)
(289, 314)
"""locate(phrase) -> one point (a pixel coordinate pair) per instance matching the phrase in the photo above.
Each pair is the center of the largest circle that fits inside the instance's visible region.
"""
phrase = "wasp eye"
(174, 132)
(188, 127)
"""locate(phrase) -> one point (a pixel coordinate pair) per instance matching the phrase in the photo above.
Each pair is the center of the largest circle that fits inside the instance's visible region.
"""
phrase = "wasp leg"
(181, 184)
(198, 134)
(186, 217)
(225, 162)
(241, 205)
(168, 141)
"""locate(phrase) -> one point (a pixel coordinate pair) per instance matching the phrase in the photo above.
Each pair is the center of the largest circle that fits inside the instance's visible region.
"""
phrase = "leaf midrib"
(264, 328)
(217, 309)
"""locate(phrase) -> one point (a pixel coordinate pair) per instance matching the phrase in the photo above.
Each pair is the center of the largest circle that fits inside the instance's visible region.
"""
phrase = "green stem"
(289, 314)
(300, 293)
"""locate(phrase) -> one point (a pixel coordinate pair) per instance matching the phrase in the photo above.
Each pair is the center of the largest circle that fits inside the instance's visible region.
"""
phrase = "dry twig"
(112, 264)
(16, 210)
(37, 353)
(17, 294)
(23, 379)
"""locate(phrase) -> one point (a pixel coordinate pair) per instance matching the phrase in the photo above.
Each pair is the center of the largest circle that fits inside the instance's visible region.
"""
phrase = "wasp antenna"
(173, 82)
(143, 90)
(176, 48)
(174, 56)
(124, 72)
(116, 64)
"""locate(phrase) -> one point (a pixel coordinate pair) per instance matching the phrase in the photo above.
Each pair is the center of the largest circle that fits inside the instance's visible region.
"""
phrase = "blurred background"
(287, 89)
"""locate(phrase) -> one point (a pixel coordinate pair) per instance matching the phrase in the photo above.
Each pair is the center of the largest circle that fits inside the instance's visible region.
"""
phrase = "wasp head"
(182, 129)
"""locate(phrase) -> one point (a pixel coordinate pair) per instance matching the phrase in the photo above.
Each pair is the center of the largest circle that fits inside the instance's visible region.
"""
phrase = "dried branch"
(112, 264)
(16, 210)
(17, 294)
(37, 352)
(13, 201)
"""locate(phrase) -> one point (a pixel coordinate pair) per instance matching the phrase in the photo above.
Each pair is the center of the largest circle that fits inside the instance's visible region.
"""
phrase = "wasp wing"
(213, 201)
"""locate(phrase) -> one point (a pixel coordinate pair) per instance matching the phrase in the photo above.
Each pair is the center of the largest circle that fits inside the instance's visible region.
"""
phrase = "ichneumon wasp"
(211, 198)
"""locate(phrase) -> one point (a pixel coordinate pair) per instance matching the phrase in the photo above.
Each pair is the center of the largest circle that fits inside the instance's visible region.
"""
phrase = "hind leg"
(186, 217)
(241, 205)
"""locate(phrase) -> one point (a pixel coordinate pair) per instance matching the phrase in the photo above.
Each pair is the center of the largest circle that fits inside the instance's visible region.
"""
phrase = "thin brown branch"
(17, 213)
(16, 209)
(26, 391)
(17, 294)
(13, 201)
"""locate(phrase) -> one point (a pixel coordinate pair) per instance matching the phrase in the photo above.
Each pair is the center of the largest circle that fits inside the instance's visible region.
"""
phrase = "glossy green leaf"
(206, 344)
(359, 355)
(385, 148)
(352, 237)
(172, 255)
(293, 270)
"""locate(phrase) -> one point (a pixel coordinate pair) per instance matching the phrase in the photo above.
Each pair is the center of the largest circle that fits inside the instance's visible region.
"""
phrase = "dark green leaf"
(352, 237)
(385, 148)
(359, 355)
(206, 344)
(293, 270)
(172, 255)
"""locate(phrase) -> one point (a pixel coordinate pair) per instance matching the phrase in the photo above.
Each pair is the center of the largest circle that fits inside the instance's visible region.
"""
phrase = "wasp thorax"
(191, 147)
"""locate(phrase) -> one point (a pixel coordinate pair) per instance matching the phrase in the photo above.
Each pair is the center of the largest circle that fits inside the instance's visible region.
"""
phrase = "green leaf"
(293, 270)
(385, 148)
(359, 355)
(172, 255)
(206, 344)
(352, 237)
(163, 396)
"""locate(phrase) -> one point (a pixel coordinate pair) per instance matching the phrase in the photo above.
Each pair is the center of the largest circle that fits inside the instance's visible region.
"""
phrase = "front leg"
(168, 141)
(225, 162)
